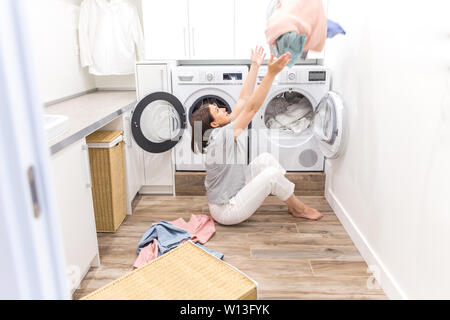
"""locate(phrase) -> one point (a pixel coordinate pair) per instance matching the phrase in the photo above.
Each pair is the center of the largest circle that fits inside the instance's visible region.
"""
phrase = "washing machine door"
(328, 125)
(158, 122)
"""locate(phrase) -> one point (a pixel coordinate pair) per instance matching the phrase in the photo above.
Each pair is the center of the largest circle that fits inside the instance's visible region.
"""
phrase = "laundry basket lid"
(103, 136)
(104, 139)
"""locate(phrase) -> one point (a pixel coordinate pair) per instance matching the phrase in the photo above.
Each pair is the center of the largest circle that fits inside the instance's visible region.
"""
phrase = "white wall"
(53, 31)
(391, 187)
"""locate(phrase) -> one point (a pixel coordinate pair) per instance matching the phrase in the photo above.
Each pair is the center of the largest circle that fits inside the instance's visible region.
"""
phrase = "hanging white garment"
(110, 36)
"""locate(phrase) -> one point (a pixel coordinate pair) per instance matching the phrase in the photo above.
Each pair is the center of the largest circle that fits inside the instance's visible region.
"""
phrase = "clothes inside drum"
(290, 112)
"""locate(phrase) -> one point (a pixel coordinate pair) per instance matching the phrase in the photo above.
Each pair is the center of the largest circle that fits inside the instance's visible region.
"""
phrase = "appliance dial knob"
(291, 76)
(209, 77)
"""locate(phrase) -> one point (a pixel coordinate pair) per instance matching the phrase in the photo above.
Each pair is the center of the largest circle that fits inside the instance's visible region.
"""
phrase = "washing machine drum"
(208, 99)
(290, 112)
(295, 120)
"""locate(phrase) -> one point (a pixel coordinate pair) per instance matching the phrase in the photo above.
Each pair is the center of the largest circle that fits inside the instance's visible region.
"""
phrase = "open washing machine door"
(328, 125)
(158, 122)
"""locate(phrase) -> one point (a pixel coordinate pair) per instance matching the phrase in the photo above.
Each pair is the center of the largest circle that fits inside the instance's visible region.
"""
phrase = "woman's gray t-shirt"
(226, 161)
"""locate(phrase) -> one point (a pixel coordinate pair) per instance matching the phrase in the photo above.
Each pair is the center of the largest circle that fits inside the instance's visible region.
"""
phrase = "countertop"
(88, 113)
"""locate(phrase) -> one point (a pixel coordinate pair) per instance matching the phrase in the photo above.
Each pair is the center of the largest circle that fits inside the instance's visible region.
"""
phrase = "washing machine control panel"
(210, 75)
(303, 75)
(298, 75)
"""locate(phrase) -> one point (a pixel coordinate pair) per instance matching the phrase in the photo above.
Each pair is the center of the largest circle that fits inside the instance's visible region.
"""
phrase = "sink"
(55, 125)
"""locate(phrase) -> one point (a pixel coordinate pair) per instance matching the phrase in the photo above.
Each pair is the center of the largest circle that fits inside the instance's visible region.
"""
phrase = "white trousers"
(264, 176)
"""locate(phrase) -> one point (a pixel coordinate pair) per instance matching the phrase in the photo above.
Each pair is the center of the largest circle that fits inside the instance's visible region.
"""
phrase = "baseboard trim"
(116, 89)
(161, 189)
(378, 268)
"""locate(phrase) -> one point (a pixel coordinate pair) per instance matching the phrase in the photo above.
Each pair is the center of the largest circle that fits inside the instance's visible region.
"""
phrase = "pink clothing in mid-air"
(301, 16)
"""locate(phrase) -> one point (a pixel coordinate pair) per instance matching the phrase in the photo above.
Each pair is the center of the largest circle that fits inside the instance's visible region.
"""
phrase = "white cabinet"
(188, 29)
(151, 77)
(207, 29)
(72, 181)
(134, 162)
(166, 29)
(211, 25)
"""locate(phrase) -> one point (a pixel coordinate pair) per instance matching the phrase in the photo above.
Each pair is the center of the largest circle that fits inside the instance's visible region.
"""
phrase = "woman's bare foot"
(306, 212)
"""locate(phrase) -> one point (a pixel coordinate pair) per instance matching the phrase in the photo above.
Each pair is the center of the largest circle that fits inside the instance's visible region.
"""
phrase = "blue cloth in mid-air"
(293, 43)
(333, 28)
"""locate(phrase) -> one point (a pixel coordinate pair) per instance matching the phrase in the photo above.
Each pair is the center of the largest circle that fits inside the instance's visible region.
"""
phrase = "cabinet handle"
(184, 40)
(85, 148)
(193, 43)
(162, 79)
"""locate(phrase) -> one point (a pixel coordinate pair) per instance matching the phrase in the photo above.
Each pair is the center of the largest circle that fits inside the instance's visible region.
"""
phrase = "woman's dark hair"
(201, 118)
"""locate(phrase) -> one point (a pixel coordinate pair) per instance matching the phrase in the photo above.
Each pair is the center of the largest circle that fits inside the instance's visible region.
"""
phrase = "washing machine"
(301, 122)
(195, 86)
(162, 119)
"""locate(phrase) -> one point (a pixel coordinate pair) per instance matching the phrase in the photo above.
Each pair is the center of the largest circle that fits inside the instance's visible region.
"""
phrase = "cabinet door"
(211, 29)
(151, 78)
(165, 25)
(250, 27)
(134, 162)
(72, 181)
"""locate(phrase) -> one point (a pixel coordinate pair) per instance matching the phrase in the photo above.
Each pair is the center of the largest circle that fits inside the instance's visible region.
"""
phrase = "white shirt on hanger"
(110, 36)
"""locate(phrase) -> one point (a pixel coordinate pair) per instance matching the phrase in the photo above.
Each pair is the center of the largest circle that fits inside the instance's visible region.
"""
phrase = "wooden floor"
(290, 258)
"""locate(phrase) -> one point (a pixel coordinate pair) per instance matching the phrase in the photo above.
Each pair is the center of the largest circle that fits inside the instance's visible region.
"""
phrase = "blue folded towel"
(293, 43)
(333, 28)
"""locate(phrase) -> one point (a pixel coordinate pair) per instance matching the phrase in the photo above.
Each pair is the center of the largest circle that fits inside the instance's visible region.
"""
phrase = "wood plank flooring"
(290, 258)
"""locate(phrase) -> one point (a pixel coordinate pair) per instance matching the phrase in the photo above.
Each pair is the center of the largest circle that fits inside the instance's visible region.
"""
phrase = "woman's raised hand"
(258, 56)
(279, 64)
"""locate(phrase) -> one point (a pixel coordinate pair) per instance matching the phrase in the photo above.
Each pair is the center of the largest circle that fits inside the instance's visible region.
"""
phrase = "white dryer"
(299, 144)
(162, 120)
(195, 86)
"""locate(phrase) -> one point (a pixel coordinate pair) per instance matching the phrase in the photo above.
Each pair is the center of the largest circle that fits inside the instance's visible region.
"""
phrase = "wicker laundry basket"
(106, 156)
(184, 273)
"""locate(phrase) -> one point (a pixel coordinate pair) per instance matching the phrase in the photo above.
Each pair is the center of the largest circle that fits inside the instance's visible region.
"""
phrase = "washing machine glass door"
(328, 125)
(158, 122)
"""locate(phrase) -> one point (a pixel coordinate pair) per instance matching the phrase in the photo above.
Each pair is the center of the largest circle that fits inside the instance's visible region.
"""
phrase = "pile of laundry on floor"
(289, 111)
(164, 236)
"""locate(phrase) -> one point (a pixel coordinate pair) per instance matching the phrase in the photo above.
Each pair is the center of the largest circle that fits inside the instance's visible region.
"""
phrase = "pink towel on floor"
(301, 16)
(201, 228)
(147, 254)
